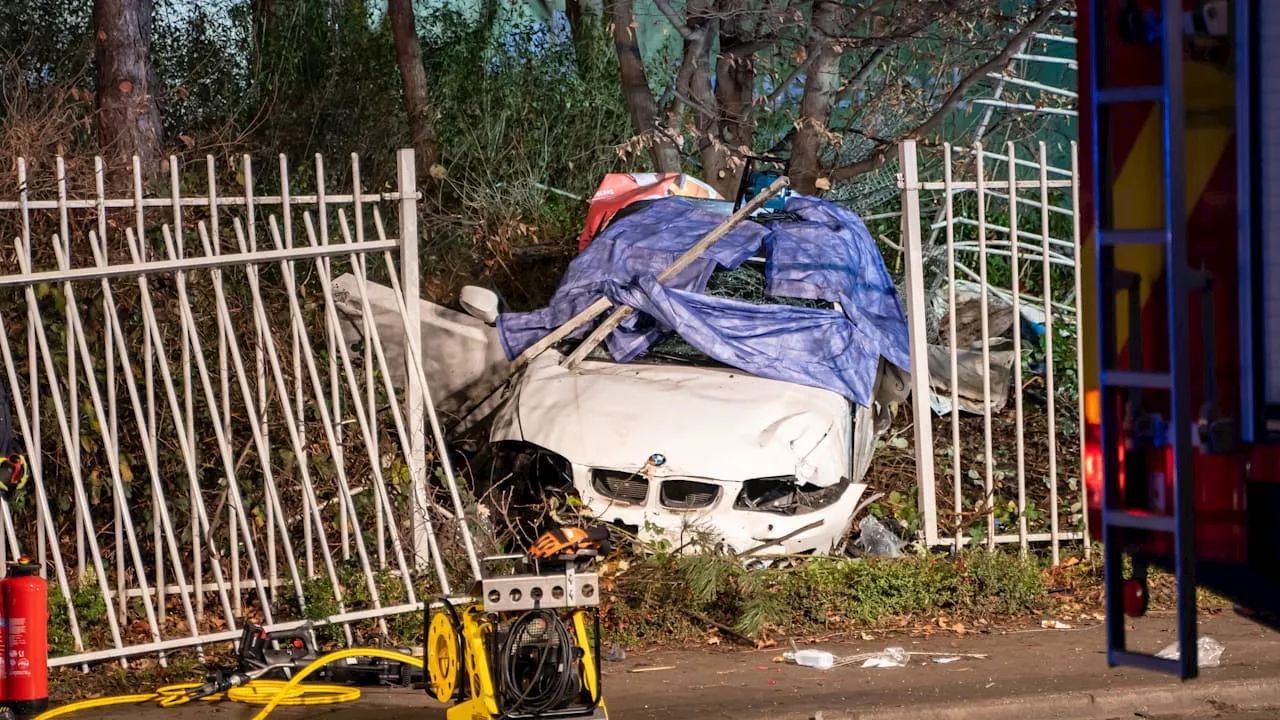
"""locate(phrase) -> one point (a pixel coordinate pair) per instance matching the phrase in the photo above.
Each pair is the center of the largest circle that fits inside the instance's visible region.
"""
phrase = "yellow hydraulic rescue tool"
(524, 649)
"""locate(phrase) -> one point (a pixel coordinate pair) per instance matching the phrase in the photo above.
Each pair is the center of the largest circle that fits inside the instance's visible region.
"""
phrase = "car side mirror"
(480, 303)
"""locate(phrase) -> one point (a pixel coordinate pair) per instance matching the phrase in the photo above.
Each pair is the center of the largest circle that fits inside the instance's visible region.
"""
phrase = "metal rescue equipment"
(1180, 464)
(1146, 434)
(524, 649)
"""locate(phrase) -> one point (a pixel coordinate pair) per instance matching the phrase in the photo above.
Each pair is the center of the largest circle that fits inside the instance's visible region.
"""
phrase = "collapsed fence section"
(207, 445)
(993, 302)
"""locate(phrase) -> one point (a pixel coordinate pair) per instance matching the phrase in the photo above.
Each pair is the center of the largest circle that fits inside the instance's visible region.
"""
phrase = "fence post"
(410, 276)
(1080, 318)
(922, 413)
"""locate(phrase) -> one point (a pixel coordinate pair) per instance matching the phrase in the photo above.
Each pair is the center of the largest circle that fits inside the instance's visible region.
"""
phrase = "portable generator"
(524, 648)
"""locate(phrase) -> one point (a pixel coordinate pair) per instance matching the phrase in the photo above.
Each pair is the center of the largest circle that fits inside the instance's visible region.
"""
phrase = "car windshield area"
(746, 283)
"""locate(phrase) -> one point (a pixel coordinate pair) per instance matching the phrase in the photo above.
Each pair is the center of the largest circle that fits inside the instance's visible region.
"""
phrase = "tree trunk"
(129, 121)
(694, 85)
(263, 12)
(422, 128)
(820, 88)
(580, 28)
(635, 88)
(735, 93)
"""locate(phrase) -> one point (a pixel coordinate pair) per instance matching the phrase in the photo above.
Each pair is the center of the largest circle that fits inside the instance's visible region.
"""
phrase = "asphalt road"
(1270, 713)
(1028, 673)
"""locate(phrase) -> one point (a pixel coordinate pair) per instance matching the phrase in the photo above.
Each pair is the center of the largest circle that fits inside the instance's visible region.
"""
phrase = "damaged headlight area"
(786, 495)
(523, 473)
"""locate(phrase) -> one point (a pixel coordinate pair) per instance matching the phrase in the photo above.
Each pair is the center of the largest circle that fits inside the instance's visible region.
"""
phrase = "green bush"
(816, 593)
(1002, 582)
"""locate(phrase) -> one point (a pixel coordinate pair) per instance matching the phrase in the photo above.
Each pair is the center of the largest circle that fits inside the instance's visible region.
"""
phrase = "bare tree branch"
(878, 159)
(795, 73)
(864, 73)
(748, 49)
(673, 17)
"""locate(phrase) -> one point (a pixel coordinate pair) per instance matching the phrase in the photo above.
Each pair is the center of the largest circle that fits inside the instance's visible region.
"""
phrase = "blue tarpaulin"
(825, 255)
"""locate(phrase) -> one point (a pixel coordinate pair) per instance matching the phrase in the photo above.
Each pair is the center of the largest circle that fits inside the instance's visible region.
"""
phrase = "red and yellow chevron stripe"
(1133, 145)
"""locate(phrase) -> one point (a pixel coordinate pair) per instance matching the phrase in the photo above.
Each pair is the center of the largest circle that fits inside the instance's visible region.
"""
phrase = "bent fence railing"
(206, 447)
(992, 306)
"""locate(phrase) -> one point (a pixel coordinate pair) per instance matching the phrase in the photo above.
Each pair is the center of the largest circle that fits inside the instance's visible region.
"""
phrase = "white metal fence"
(992, 307)
(205, 447)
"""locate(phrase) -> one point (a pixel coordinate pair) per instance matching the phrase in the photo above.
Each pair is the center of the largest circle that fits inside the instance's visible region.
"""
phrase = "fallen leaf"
(958, 628)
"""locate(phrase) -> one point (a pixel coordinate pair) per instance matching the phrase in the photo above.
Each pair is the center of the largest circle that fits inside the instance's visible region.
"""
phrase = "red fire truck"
(1182, 319)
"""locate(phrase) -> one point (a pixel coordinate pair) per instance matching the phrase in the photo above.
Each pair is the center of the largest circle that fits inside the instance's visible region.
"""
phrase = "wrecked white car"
(688, 451)
(738, 403)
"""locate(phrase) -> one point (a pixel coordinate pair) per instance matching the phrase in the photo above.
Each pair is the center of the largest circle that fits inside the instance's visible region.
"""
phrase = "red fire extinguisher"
(26, 647)
(5, 712)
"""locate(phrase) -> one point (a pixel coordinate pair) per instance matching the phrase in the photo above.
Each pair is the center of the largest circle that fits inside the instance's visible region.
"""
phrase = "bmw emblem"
(658, 459)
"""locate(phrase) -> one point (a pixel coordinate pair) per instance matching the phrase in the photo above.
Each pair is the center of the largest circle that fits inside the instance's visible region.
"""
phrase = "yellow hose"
(270, 693)
(331, 657)
(96, 703)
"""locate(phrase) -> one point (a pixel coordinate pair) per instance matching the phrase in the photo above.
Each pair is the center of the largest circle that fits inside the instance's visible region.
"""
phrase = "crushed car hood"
(715, 423)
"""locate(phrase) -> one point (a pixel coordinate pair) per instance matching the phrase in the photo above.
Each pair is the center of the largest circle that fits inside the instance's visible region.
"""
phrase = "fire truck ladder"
(1144, 435)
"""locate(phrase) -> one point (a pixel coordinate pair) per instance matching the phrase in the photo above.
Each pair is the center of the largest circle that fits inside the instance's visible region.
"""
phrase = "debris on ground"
(890, 658)
(616, 653)
(877, 540)
(1208, 650)
(1054, 625)
(887, 658)
(817, 659)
